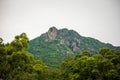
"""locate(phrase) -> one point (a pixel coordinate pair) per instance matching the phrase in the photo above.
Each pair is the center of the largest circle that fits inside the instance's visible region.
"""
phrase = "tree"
(3, 60)
(20, 42)
(102, 66)
(17, 63)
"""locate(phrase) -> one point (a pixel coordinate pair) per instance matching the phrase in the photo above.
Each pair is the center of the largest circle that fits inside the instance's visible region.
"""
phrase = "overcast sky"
(99, 19)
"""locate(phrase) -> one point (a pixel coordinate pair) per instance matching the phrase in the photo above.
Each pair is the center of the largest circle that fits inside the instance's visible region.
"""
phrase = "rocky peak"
(52, 33)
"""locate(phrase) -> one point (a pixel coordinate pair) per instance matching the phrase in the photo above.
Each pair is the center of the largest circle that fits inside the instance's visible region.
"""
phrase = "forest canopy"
(16, 63)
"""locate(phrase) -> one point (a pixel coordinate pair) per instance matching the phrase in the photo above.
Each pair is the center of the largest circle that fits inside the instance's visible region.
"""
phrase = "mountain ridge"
(55, 45)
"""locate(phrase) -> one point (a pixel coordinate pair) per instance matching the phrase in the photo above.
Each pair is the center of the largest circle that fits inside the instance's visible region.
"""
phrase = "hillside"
(55, 45)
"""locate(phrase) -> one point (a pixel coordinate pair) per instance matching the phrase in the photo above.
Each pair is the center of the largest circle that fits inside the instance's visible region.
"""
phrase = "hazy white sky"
(99, 19)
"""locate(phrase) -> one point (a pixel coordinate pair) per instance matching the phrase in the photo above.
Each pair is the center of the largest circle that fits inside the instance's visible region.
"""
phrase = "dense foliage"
(16, 63)
(102, 66)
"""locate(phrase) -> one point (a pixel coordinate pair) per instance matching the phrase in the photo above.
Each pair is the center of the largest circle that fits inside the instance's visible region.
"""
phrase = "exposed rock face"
(62, 41)
(74, 47)
(65, 37)
(52, 33)
(72, 40)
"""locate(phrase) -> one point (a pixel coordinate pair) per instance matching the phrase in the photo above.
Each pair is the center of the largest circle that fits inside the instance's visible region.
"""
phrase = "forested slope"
(55, 45)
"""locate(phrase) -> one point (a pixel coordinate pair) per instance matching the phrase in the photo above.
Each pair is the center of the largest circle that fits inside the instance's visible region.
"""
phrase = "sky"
(99, 19)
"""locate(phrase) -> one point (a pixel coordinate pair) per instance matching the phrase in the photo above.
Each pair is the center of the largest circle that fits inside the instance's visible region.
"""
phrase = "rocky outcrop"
(72, 40)
(75, 47)
(52, 33)
(64, 36)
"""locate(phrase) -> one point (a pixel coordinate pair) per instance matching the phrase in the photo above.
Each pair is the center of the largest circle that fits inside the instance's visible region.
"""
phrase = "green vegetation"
(102, 66)
(16, 63)
(55, 46)
(50, 52)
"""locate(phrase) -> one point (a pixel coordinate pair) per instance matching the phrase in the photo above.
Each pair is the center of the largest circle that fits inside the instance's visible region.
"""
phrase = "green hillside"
(55, 45)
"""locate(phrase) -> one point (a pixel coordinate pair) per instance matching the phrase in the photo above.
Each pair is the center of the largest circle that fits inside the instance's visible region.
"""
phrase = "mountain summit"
(52, 33)
(55, 45)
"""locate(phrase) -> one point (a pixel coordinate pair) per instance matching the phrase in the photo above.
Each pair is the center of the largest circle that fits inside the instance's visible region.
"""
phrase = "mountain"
(55, 45)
